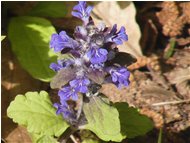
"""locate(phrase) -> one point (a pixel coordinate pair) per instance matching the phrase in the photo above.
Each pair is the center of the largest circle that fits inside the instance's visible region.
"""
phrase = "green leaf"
(30, 38)
(49, 9)
(36, 138)
(103, 119)
(2, 37)
(36, 112)
(169, 51)
(132, 123)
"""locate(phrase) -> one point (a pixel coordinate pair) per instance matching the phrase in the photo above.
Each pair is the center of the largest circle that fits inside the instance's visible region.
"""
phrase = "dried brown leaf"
(182, 58)
(180, 77)
(151, 89)
(183, 41)
(18, 135)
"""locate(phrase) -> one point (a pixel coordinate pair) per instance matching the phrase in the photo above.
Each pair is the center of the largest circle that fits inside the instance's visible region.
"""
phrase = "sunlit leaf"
(35, 111)
(103, 119)
(36, 138)
(30, 38)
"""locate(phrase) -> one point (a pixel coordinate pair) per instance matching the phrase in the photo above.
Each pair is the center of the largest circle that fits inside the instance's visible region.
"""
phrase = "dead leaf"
(122, 14)
(183, 41)
(151, 89)
(180, 77)
(18, 135)
(182, 57)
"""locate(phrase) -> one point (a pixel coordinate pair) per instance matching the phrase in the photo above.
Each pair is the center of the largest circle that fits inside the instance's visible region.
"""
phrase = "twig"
(170, 102)
(73, 139)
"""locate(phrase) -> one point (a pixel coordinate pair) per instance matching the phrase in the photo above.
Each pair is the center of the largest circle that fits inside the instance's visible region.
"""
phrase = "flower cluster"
(92, 49)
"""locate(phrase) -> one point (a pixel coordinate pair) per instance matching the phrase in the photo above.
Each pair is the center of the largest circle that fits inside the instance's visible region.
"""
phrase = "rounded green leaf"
(30, 38)
(36, 112)
(103, 119)
(132, 122)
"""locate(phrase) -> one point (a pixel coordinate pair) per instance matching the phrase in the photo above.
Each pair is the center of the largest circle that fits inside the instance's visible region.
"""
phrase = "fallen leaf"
(122, 14)
(180, 77)
(19, 135)
(182, 57)
(183, 41)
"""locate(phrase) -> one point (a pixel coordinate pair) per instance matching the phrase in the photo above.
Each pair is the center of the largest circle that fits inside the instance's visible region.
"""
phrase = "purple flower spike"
(120, 76)
(97, 55)
(80, 84)
(61, 41)
(117, 37)
(82, 11)
(64, 110)
(91, 50)
(67, 93)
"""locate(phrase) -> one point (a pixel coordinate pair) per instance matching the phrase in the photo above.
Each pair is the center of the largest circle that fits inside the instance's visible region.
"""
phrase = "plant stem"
(160, 136)
(66, 135)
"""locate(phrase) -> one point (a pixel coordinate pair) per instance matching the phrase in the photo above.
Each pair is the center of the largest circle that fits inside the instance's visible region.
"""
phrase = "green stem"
(160, 136)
